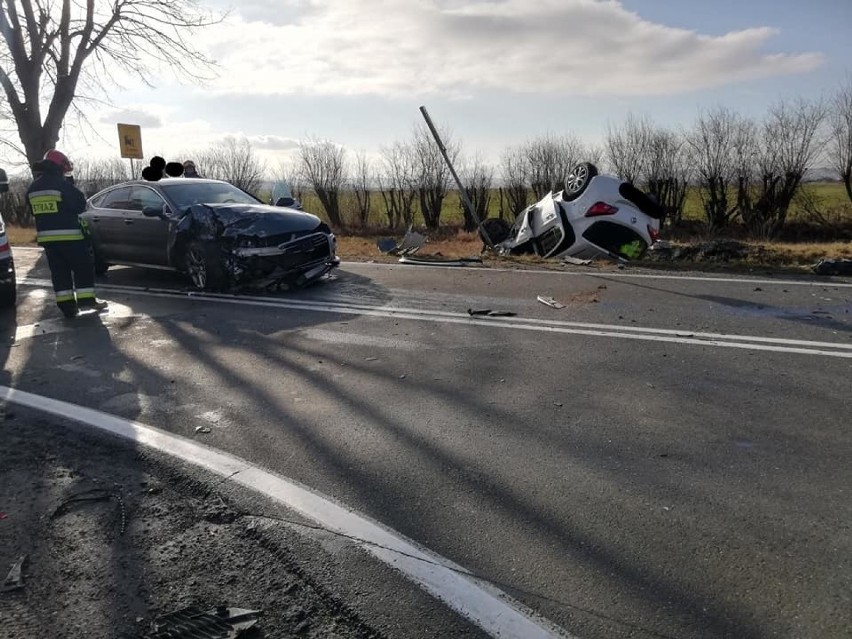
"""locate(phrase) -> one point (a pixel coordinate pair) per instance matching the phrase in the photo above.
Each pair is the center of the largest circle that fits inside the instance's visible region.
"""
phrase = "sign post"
(130, 143)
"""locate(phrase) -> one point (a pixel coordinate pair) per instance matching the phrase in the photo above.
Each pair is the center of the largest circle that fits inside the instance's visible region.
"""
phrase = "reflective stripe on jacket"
(56, 205)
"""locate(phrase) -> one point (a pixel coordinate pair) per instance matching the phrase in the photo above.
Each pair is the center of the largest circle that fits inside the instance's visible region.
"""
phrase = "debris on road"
(204, 430)
(410, 244)
(93, 495)
(439, 260)
(549, 301)
(833, 267)
(15, 579)
(487, 312)
(219, 623)
(576, 261)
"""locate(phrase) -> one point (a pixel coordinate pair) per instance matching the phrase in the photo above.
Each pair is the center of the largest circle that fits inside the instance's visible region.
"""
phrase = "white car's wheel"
(578, 179)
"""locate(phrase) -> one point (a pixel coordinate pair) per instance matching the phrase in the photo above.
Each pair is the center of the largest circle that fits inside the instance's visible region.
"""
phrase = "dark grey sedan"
(217, 234)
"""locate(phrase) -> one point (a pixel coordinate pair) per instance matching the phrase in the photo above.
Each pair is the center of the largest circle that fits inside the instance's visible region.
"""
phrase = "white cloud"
(273, 142)
(133, 116)
(455, 47)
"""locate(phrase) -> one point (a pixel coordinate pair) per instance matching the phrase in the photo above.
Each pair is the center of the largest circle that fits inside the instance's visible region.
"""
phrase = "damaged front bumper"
(297, 262)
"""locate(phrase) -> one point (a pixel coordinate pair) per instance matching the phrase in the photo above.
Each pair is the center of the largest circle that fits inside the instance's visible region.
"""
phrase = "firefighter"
(56, 205)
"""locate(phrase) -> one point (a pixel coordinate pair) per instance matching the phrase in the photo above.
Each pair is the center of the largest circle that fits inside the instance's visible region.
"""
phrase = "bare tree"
(788, 145)
(233, 160)
(433, 175)
(514, 193)
(363, 183)
(92, 176)
(841, 135)
(711, 142)
(397, 183)
(667, 172)
(51, 50)
(626, 147)
(477, 180)
(549, 159)
(323, 167)
(289, 173)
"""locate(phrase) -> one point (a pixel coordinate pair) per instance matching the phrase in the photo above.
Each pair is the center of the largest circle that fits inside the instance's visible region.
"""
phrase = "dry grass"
(21, 236)
(364, 248)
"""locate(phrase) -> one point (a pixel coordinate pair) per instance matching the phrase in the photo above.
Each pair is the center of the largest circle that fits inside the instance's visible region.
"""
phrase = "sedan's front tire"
(204, 267)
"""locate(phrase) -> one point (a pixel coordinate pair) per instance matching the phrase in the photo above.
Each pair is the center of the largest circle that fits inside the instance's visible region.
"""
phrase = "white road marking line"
(684, 336)
(647, 276)
(483, 604)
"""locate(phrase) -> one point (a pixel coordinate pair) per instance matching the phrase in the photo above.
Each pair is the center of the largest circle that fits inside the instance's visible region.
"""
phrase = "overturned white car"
(593, 216)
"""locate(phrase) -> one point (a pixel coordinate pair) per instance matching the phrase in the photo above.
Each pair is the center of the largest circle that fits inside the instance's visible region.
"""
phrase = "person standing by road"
(56, 205)
(189, 170)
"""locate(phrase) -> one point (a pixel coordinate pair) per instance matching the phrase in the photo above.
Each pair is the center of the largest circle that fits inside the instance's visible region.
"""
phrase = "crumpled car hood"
(237, 220)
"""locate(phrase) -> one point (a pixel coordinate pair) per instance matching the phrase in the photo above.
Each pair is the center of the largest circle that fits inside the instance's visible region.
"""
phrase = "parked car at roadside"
(218, 235)
(8, 286)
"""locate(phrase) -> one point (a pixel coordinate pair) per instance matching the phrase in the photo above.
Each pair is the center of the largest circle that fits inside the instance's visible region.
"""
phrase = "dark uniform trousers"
(73, 273)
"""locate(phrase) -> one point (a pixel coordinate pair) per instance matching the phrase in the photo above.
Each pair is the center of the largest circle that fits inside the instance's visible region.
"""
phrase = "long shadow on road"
(392, 497)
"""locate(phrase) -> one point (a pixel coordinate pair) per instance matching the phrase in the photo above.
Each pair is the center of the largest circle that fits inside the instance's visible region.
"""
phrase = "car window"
(116, 199)
(142, 197)
(192, 192)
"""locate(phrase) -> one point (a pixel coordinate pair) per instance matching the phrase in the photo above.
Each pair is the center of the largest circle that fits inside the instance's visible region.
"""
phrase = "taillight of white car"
(601, 208)
(653, 233)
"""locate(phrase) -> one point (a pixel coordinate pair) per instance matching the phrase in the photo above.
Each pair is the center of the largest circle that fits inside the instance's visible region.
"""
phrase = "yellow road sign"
(130, 141)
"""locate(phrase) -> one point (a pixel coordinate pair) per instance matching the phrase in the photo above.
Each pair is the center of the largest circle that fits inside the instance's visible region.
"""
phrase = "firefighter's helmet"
(59, 159)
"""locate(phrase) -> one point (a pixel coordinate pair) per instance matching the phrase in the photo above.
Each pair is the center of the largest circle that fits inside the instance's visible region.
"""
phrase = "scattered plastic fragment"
(15, 579)
(410, 244)
(576, 261)
(549, 301)
(219, 623)
(204, 430)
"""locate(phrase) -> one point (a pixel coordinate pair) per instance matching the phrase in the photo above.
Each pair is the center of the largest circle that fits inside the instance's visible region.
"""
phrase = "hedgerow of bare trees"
(397, 183)
(514, 192)
(626, 147)
(323, 167)
(549, 159)
(53, 53)
(786, 146)
(92, 176)
(840, 147)
(712, 143)
(433, 176)
(233, 160)
(667, 171)
(362, 186)
(477, 180)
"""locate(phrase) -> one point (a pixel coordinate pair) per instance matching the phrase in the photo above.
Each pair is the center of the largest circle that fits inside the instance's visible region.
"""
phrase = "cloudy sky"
(495, 72)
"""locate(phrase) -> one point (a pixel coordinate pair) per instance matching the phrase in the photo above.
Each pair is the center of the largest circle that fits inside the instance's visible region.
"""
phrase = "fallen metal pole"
(462, 192)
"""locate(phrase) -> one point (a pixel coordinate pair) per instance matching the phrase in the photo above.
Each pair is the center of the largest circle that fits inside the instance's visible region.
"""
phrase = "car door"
(106, 223)
(148, 236)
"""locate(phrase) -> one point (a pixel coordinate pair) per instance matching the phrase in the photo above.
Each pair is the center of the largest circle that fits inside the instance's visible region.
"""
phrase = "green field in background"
(830, 197)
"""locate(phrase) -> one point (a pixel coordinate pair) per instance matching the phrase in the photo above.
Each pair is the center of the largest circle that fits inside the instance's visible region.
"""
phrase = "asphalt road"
(665, 456)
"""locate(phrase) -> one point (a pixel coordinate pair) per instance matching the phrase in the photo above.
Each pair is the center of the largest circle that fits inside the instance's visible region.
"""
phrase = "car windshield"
(192, 192)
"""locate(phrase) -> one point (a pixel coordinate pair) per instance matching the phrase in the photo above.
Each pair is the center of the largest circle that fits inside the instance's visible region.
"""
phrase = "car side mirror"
(156, 211)
(4, 182)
